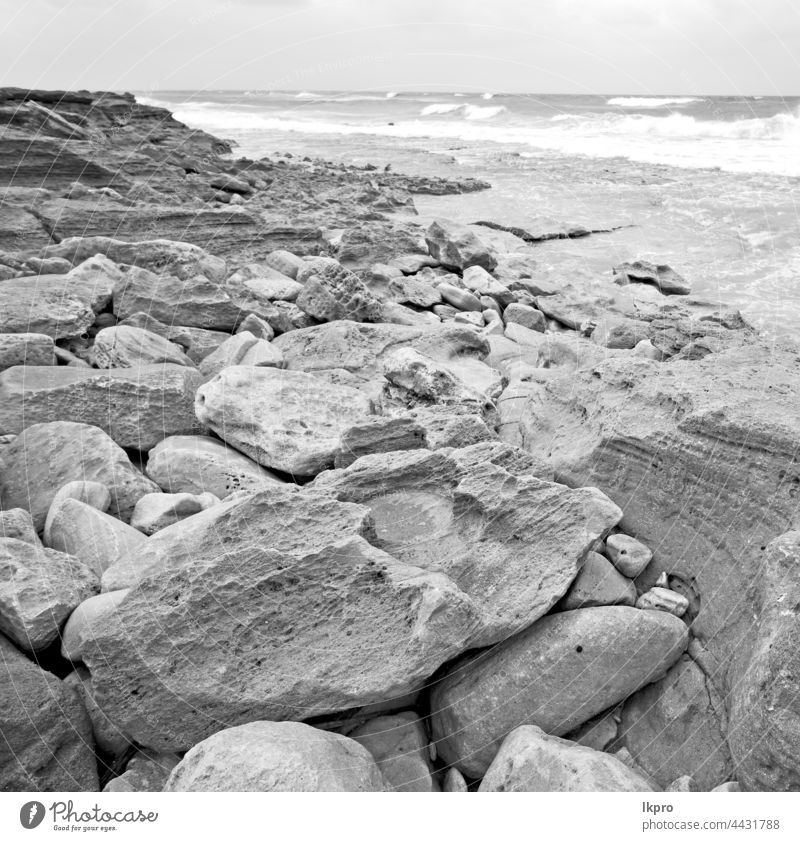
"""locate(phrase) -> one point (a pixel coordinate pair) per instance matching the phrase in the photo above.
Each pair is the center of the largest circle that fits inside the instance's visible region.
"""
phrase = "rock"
(454, 781)
(399, 746)
(461, 299)
(280, 630)
(230, 184)
(154, 512)
(96, 539)
(196, 464)
(627, 554)
(128, 347)
(481, 283)
(598, 583)
(26, 349)
(17, 523)
(332, 293)
(45, 457)
(242, 349)
(59, 305)
(258, 327)
(682, 784)
(83, 620)
(285, 262)
(39, 588)
(511, 542)
(408, 289)
(95, 494)
(457, 246)
(598, 732)
(730, 786)
(146, 771)
(379, 435)
(660, 598)
(161, 256)
(764, 727)
(672, 729)
(263, 283)
(664, 278)
(526, 316)
(557, 674)
(276, 756)
(646, 350)
(285, 420)
(379, 242)
(47, 736)
(137, 407)
(531, 760)
(108, 739)
(475, 319)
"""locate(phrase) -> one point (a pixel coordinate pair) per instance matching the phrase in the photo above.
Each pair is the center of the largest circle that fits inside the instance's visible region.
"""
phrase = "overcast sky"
(539, 46)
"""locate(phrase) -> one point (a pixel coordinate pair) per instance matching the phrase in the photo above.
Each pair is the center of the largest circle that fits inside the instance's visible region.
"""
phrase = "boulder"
(259, 608)
(457, 246)
(26, 349)
(146, 771)
(628, 555)
(242, 349)
(598, 583)
(109, 740)
(663, 277)
(47, 740)
(461, 299)
(284, 420)
(399, 746)
(197, 464)
(454, 781)
(39, 588)
(531, 760)
(17, 523)
(161, 256)
(59, 305)
(509, 541)
(379, 435)
(123, 346)
(263, 283)
(285, 262)
(672, 729)
(257, 326)
(154, 512)
(45, 457)
(332, 293)
(96, 539)
(95, 494)
(526, 316)
(81, 624)
(557, 674)
(764, 727)
(137, 407)
(276, 756)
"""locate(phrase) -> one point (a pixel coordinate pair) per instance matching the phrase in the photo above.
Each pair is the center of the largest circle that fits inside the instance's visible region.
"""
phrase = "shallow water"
(733, 231)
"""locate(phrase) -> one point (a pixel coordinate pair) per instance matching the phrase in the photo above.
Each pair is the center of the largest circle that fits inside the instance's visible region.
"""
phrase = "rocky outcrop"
(276, 756)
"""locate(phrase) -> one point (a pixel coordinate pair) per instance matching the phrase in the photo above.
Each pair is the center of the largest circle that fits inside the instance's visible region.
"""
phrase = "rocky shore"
(302, 491)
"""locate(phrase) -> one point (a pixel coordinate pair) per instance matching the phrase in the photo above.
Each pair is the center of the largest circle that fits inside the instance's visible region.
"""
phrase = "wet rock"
(137, 407)
(598, 583)
(457, 246)
(90, 613)
(399, 746)
(672, 729)
(764, 727)
(332, 293)
(39, 588)
(557, 674)
(26, 349)
(285, 420)
(664, 278)
(661, 598)
(47, 744)
(96, 539)
(45, 457)
(154, 512)
(197, 464)
(511, 542)
(277, 612)
(627, 554)
(242, 349)
(123, 346)
(531, 760)
(276, 756)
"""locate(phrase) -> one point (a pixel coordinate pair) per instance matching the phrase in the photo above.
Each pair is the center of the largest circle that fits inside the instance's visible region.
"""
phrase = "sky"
(744, 47)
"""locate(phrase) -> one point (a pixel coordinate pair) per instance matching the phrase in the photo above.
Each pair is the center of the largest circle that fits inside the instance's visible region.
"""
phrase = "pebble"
(627, 554)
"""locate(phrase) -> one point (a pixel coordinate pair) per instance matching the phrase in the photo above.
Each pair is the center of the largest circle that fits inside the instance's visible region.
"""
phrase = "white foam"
(651, 101)
(487, 96)
(469, 112)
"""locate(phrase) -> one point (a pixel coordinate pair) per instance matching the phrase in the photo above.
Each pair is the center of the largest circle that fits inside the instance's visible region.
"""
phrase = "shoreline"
(283, 458)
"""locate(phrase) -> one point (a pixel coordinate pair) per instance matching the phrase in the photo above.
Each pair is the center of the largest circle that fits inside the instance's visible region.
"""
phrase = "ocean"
(707, 184)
